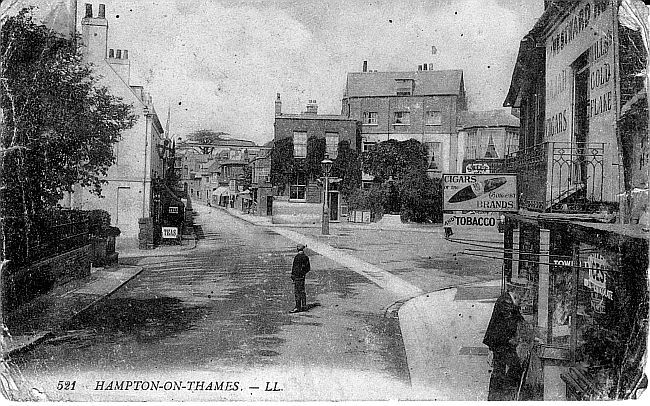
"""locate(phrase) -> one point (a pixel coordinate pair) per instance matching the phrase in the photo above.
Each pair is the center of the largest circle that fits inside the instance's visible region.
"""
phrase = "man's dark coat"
(300, 266)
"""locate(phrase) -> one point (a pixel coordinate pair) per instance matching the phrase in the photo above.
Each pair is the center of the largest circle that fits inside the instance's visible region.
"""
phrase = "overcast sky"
(219, 64)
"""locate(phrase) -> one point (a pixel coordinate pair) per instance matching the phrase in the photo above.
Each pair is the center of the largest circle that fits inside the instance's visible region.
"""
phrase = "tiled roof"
(427, 82)
(488, 118)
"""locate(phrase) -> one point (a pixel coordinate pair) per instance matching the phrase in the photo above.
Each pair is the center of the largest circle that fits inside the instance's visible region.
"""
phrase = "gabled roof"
(488, 118)
(426, 83)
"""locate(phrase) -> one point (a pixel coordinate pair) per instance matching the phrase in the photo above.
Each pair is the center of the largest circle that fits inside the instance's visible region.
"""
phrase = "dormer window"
(404, 87)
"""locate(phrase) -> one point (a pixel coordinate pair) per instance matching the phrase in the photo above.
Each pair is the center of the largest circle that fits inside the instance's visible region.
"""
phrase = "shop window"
(298, 188)
(300, 144)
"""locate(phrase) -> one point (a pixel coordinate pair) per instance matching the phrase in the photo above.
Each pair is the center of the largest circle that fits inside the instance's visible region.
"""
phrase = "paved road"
(188, 325)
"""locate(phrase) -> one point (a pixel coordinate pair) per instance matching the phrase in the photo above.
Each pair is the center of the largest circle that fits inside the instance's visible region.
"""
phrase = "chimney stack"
(312, 107)
(278, 105)
(365, 66)
(94, 34)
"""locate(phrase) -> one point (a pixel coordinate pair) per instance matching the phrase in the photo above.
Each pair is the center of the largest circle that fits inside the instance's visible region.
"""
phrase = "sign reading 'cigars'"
(480, 192)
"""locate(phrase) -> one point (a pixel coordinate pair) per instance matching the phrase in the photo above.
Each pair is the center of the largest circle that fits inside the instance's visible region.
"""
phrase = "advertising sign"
(173, 210)
(480, 192)
(170, 232)
(470, 220)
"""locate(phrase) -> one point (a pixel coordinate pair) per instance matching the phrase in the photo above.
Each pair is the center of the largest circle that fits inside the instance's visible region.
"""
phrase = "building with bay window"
(485, 138)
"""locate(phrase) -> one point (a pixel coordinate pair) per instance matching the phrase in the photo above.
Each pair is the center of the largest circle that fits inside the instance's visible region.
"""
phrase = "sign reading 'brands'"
(480, 192)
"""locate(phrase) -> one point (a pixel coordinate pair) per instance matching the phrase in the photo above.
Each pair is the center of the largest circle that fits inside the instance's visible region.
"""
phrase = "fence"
(45, 235)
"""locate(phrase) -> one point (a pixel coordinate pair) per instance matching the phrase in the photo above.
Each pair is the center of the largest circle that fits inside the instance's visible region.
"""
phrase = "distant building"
(207, 170)
(423, 105)
(128, 195)
(485, 139)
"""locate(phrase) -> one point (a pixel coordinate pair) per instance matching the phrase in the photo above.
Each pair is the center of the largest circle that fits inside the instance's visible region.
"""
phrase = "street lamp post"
(326, 165)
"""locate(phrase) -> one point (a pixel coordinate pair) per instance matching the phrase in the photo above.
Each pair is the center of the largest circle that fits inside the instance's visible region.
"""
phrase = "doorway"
(334, 205)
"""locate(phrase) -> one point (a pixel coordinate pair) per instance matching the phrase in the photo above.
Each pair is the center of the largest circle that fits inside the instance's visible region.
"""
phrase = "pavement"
(37, 320)
(442, 329)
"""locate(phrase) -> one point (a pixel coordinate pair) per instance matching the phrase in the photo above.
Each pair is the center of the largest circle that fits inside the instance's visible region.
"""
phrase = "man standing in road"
(500, 338)
(298, 272)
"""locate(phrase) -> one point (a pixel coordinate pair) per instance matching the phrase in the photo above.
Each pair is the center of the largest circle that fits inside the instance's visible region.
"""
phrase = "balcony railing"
(559, 176)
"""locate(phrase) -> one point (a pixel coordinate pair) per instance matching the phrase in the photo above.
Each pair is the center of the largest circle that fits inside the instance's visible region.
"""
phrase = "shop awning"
(221, 190)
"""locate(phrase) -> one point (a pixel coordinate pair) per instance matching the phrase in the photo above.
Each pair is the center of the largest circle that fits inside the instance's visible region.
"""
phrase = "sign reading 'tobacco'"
(480, 192)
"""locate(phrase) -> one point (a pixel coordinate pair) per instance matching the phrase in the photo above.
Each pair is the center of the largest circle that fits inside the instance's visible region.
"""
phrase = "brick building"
(423, 105)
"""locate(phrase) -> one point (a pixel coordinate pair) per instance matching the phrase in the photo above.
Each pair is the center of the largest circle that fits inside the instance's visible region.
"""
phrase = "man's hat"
(300, 247)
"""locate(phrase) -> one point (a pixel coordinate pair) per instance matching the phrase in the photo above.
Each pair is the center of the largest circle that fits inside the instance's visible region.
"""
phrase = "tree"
(282, 163)
(400, 172)
(207, 138)
(420, 198)
(347, 166)
(315, 155)
(59, 125)
(394, 159)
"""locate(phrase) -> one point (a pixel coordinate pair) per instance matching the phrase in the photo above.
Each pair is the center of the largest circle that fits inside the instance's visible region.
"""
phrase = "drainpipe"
(144, 174)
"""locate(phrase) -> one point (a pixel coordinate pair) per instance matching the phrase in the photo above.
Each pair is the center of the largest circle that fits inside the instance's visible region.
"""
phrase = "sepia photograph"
(324, 201)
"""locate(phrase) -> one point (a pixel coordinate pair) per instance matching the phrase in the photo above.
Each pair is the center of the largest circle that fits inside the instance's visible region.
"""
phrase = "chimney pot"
(278, 105)
(419, 67)
(430, 66)
(365, 66)
(126, 54)
(118, 54)
(102, 11)
(425, 67)
(89, 11)
(111, 53)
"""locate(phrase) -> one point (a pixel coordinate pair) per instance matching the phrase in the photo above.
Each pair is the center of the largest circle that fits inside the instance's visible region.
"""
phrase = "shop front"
(585, 291)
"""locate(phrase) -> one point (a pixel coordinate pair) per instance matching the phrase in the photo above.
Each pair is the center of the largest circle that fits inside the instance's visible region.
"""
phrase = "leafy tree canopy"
(59, 125)
(207, 138)
(347, 166)
(396, 159)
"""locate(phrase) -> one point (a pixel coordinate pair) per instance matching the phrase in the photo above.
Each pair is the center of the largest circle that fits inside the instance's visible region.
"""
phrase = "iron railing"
(559, 176)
